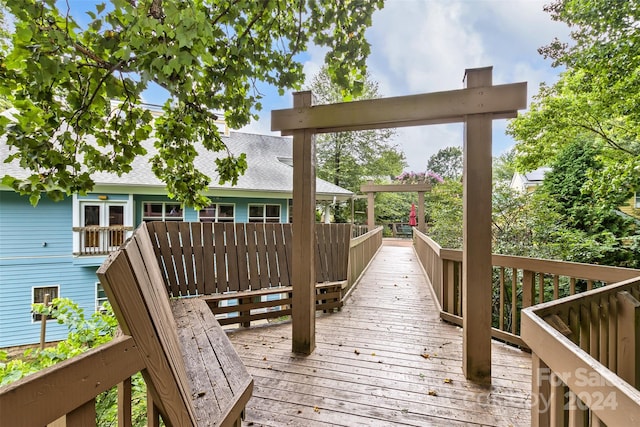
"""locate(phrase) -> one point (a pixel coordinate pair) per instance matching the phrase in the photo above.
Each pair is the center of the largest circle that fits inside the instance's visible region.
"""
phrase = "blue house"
(56, 247)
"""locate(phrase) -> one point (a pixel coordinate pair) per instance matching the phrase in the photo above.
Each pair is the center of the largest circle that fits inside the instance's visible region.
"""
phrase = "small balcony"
(95, 240)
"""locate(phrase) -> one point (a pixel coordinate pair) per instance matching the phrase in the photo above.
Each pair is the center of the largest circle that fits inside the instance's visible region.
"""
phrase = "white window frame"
(33, 297)
(99, 301)
(164, 216)
(78, 214)
(637, 200)
(264, 212)
(217, 217)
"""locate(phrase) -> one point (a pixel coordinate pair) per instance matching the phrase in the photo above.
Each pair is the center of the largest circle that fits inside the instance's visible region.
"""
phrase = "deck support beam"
(476, 258)
(303, 275)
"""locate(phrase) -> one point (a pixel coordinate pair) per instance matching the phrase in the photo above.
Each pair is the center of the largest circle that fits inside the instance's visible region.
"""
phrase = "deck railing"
(65, 394)
(95, 240)
(518, 282)
(586, 357)
(361, 252)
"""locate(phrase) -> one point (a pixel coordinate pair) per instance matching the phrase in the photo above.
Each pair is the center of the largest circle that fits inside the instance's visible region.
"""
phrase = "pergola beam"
(395, 188)
(413, 110)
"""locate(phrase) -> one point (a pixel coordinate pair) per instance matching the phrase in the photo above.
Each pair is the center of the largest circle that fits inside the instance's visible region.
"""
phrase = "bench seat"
(193, 374)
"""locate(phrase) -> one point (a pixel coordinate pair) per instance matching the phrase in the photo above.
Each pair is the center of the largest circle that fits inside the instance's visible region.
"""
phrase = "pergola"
(476, 106)
(371, 189)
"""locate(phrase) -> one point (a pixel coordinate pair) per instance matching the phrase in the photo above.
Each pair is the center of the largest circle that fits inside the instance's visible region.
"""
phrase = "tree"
(208, 55)
(447, 163)
(347, 159)
(595, 96)
(586, 211)
(504, 166)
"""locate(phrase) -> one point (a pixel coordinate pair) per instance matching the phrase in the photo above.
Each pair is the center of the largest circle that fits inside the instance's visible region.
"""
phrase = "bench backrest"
(134, 284)
(205, 258)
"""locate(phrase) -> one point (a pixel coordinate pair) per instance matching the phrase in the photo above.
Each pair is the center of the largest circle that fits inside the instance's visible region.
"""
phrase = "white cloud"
(420, 46)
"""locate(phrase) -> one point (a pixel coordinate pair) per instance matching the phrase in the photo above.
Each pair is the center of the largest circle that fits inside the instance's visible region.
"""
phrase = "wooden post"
(124, 403)
(628, 338)
(540, 392)
(303, 275)
(371, 217)
(43, 323)
(421, 225)
(476, 264)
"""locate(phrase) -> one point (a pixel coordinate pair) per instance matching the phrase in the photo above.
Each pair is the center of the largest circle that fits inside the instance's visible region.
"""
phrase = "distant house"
(55, 248)
(632, 206)
(528, 181)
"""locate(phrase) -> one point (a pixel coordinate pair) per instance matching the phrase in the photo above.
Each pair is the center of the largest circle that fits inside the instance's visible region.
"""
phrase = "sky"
(420, 46)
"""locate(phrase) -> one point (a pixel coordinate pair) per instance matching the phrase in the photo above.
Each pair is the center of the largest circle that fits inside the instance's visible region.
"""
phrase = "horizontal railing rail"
(518, 282)
(95, 240)
(586, 357)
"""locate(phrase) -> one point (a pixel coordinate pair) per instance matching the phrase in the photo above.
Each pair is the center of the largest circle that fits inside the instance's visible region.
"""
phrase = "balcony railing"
(586, 357)
(96, 240)
(518, 282)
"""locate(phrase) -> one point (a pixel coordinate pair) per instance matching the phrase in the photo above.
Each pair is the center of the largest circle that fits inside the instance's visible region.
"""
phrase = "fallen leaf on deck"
(264, 358)
(447, 381)
(433, 393)
(373, 354)
(425, 355)
(316, 409)
(356, 351)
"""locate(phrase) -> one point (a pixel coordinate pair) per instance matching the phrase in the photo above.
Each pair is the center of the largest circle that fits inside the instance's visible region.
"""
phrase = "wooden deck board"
(368, 367)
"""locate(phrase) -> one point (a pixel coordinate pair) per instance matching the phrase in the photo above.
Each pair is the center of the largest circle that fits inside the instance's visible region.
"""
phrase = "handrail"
(361, 252)
(586, 352)
(47, 395)
(518, 282)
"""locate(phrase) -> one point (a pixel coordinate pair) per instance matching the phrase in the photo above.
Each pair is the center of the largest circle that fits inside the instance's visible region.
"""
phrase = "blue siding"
(26, 262)
(25, 229)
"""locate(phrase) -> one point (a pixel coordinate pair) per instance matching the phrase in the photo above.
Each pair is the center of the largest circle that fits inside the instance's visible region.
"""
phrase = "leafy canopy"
(596, 96)
(447, 162)
(208, 55)
(349, 159)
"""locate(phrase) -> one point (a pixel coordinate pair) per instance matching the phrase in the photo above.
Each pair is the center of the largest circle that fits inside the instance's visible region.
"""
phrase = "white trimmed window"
(101, 297)
(38, 295)
(162, 211)
(264, 213)
(218, 212)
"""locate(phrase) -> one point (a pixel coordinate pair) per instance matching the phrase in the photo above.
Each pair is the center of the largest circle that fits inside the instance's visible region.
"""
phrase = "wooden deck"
(386, 359)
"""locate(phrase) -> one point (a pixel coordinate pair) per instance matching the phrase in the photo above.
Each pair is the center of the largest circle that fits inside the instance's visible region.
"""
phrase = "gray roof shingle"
(268, 160)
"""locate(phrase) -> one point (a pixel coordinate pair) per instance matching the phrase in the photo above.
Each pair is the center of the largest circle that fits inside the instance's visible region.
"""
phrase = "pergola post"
(303, 309)
(371, 209)
(421, 225)
(476, 258)
(476, 105)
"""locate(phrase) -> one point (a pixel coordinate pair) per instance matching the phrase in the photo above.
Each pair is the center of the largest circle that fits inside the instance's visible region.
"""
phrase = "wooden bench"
(193, 373)
(243, 270)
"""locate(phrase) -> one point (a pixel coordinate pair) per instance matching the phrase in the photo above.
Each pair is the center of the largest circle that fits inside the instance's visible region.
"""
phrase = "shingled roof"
(269, 160)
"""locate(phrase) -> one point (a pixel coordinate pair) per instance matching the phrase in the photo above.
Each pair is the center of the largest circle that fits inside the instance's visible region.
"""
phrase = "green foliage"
(348, 159)
(504, 167)
(444, 213)
(447, 163)
(208, 55)
(84, 334)
(596, 97)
